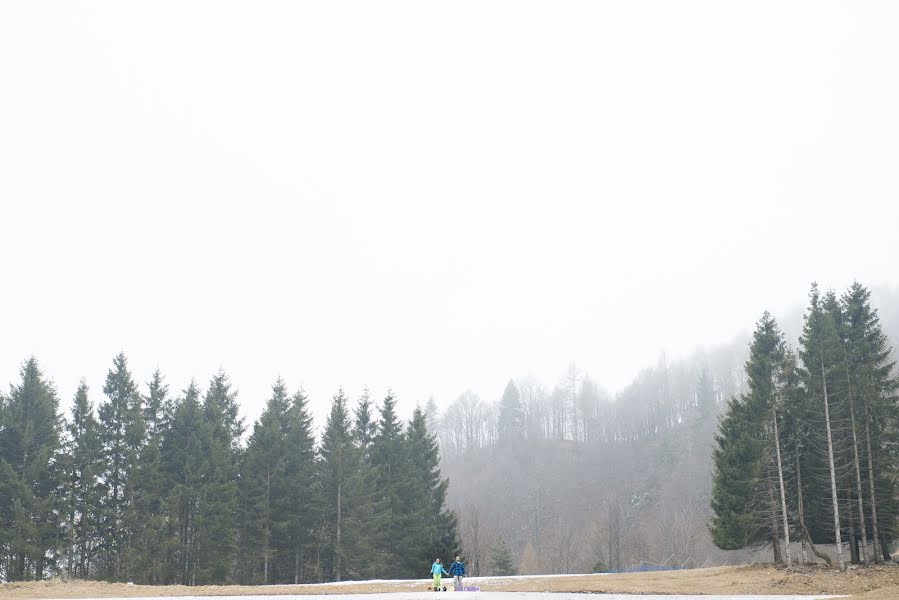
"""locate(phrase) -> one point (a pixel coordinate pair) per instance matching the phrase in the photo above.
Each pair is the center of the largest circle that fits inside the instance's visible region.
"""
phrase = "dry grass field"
(873, 583)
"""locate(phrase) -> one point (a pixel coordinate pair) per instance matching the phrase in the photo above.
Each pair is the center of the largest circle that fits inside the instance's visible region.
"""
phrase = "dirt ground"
(871, 583)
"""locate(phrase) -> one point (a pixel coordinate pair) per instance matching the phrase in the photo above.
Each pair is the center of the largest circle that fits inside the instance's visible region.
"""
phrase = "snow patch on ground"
(446, 579)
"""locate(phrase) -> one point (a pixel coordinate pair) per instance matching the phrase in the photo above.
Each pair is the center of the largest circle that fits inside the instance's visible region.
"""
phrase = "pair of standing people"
(457, 570)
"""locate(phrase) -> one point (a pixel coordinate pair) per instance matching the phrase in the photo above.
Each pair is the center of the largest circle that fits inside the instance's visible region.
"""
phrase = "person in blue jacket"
(437, 570)
(457, 570)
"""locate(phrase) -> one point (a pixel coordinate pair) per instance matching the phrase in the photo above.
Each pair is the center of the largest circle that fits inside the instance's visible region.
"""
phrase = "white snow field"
(490, 596)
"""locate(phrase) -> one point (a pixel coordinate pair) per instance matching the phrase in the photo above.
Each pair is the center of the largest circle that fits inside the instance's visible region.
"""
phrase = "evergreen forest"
(169, 488)
(786, 441)
(805, 460)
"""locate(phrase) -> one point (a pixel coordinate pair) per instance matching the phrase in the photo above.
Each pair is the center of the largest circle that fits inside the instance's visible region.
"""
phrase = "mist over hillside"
(601, 481)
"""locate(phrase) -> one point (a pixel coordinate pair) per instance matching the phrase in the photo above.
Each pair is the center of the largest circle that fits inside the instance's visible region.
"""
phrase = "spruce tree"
(158, 406)
(297, 503)
(733, 525)
(847, 442)
(29, 475)
(821, 354)
(511, 417)
(83, 465)
(218, 491)
(262, 464)
(745, 510)
(797, 413)
(431, 528)
(389, 459)
(223, 412)
(346, 493)
(181, 456)
(873, 374)
(148, 562)
(501, 562)
(364, 427)
(122, 436)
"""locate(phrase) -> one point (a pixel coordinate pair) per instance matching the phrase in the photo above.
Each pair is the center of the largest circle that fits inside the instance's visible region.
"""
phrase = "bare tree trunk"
(70, 560)
(783, 494)
(814, 548)
(833, 477)
(192, 568)
(875, 530)
(775, 530)
(884, 548)
(806, 537)
(853, 538)
(858, 472)
(82, 550)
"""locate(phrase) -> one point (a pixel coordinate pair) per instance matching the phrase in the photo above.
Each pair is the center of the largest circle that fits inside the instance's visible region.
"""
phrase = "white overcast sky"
(431, 196)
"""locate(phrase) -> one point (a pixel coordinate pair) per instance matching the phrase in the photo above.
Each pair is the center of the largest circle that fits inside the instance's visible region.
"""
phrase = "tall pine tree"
(122, 436)
(511, 416)
(218, 490)
(29, 475)
(821, 353)
(147, 561)
(266, 451)
(872, 372)
(83, 465)
(181, 456)
(364, 426)
(431, 527)
(746, 513)
(345, 541)
(298, 497)
(389, 459)
(501, 563)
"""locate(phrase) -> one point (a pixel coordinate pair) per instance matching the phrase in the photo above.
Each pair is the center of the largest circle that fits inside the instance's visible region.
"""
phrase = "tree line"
(579, 409)
(808, 454)
(162, 488)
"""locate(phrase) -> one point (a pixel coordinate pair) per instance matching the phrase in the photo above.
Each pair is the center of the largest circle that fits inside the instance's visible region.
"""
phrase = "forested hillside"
(156, 486)
(574, 478)
(159, 487)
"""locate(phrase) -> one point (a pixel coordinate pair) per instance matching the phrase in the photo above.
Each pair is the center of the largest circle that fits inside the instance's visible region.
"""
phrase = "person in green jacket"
(437, 570)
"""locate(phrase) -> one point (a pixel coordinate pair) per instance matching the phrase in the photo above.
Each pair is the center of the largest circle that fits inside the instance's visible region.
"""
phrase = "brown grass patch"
(871, 583)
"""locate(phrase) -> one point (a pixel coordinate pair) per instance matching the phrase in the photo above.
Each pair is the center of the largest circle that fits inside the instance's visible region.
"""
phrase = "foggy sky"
(431, 196)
